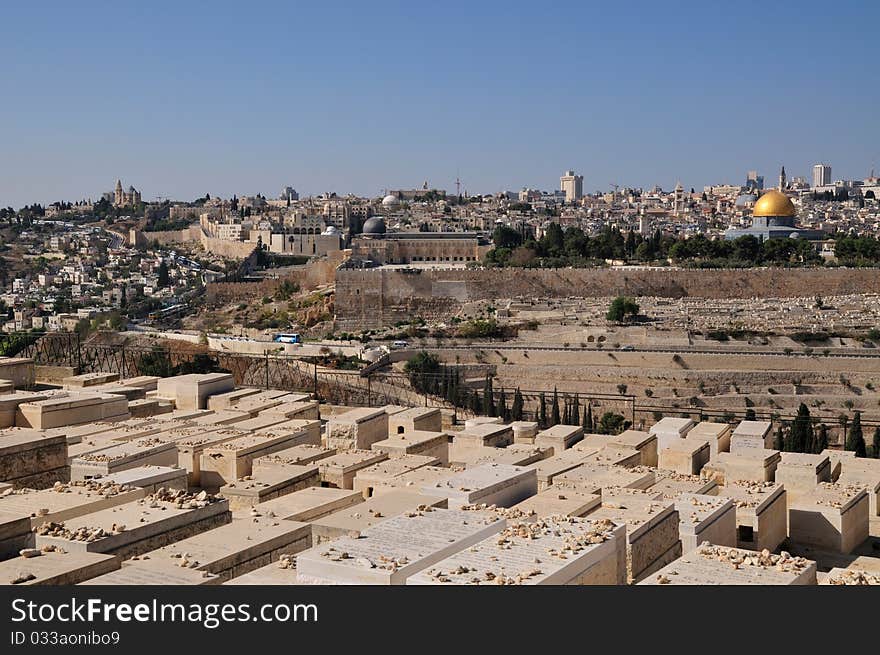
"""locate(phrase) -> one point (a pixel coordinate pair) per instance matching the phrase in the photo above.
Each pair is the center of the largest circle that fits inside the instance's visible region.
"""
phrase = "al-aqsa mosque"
(773, 217)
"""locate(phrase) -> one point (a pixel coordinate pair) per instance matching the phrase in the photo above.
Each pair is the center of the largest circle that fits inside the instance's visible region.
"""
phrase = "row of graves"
(190, 480)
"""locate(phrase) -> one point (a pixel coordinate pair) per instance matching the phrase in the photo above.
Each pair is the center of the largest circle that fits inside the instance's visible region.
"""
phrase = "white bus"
(287, 337)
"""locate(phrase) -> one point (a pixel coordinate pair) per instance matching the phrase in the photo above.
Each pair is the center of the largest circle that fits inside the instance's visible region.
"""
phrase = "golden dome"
(774, 203)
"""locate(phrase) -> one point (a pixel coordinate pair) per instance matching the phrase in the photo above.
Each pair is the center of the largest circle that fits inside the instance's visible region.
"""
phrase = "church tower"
(119, 194)
(782, 182)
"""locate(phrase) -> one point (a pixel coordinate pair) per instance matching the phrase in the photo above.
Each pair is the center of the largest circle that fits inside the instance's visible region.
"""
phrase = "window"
(399, 429)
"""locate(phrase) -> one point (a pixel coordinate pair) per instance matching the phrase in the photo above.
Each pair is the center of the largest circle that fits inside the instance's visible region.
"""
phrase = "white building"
(572, 185)
(821, 175)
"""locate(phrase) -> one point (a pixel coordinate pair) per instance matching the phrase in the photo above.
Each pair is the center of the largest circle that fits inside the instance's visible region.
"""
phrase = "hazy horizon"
(180, 101)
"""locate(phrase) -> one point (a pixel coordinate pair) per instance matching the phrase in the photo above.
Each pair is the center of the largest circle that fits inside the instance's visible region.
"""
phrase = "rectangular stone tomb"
(9, 403)
(652, 534)
(615, 455)
(269, 422)
(490, 484)
(484, 434)
(415, 480)
(551, 551)
(88, 380)
(524, 431)
(75, 433)
(756, 464)
(706, 518)
(69, 500)
(302, 409)
(686, 456)
(833, 518)
(309, 504)
(559, 502)
(670, 428)
(866, 478)
(35, 460)
(339, 470)
(801, 472)
(270, 483)
(853, 577)
(517, 454)
(123, 456)
(592, 478)
(308, 431)
(717, 434)
(136, 527)
(549, 469)
(233, 459)
(192, 391)
(357, 429)
(353, 521)
(282, 572)
(303, 455)
(146, 382)
(55, 568)
(226, 400)
(416, 442)
(181, 416)
(421, 419)
(670, 484)
(70, 410)
(397, 548)
(224, 417)
(761, 513)
(365, 480)
(245, 544)
(140, 573)
(644, 442)
(751, 434)
(559, 437)
(719, 565)
(15, 533)
(150, 478)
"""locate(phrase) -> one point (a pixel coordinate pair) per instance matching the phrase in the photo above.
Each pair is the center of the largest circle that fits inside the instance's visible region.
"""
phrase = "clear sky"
(183, 98)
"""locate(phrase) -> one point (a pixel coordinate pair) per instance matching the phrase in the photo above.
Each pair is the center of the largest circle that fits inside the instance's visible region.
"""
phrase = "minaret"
(782, 184)
(117, 197)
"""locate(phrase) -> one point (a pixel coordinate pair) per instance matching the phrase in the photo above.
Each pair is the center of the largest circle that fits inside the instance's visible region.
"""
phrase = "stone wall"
(378, 297)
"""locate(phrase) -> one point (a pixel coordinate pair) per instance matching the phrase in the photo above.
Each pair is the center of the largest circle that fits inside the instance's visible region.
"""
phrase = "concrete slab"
(139, 573)
(309, 504)
(270, 483)
(490, 484)
(416, 442)
(365, 480)
(56, 568)
(340, 469)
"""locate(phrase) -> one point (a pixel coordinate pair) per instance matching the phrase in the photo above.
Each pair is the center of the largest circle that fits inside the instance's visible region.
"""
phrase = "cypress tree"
(554, 408)
(821, 439)
(542, 411)
(502, 407)
(575, 411)
(875, 444)
(516, 410)
(588, 418)
(488, 400)
(856, 441)
(801, 440)
(778, 441)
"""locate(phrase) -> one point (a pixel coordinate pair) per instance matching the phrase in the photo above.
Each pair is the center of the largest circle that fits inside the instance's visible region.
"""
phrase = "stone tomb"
(301, 409)
(751, 434)
(524, 431)
(550, 551)
(757, 464)
(833, 518)
(71, 409)
(228, 399)
(670, 484)
(18, 370)
(644, 442)
(282, 572)
(232, 460)
(150, 478)
(303, 455)
(69, 500)
(547, 470)
(88, 380)
(559, 437)
(717, 434)
(484, 434)
(365, 480)
(706, 518)
(761, 513)
(122, 456)
(686, 456)
(15, 533)
(137, 527)
(308, 431)
(227, 417)
(716, 565)
(592, 478)
(801, 472)
(615, 455)
(397, 548)
(414, 480)
(192, 391)
(29, 459)
(652, 534)
(270, 483)
(862, 472)
(357, 429)
(340, 469)
(245, 544)
(416, 442)
(353, 521)
(490, 484)
(670, 428)
(309, 504)
(55, 567)
(838, 458)
(9, 403)
(559, 502)
(517, 454)
(422, 419)
(140, 573)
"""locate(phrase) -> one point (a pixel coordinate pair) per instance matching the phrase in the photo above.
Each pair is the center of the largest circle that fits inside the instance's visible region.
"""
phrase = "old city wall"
(374, 298)
(315, 274)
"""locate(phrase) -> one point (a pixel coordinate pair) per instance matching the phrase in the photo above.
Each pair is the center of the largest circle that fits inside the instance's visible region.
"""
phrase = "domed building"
(374, 226)
(773, 217)
(391, 201)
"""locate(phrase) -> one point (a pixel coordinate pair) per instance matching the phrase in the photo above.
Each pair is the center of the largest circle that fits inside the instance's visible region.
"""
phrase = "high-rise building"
(572, 186)
(821, 175)
(754, 182)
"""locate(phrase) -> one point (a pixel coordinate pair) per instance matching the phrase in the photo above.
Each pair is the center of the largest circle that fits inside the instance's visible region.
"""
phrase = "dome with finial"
(774, 203)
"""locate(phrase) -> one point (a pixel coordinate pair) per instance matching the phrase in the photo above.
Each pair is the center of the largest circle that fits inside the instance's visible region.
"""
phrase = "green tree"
(164, 278)
(821, 439)
(856, 441)
(516, 409)
(611, 423)
(802, 431)
(875, 444)
(779, 440)
(621, 308)
(542, 411)
(488, 399)
(588, 418)
(554, 409)
(503, 412)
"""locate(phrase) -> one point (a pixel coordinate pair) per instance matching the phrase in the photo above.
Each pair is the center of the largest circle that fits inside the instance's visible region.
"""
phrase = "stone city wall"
(381, 297)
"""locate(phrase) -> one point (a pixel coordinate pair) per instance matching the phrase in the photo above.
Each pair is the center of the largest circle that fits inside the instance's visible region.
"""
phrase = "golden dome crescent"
(774, 203)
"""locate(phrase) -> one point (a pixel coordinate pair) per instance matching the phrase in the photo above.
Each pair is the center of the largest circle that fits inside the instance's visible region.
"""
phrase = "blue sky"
(184, 98)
